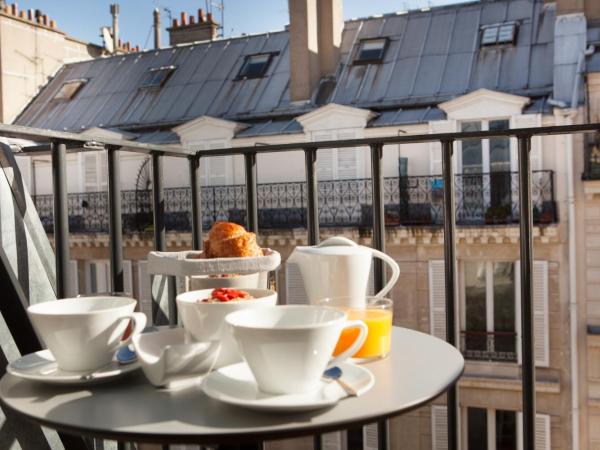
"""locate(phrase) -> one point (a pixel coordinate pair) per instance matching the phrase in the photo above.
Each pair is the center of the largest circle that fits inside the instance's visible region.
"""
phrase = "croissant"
(229, 240)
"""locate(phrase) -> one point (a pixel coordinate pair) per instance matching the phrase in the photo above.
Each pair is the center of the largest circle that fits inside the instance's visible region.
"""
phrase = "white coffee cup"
(83, 333)
(288, 347)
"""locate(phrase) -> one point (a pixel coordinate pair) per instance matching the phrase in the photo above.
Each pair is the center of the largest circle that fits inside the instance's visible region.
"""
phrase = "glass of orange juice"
(377, 315)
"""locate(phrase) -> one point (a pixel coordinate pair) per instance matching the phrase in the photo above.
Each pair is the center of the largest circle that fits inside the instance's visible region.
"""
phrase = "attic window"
(371, 51)
(156, 77)
(504, 33)
(69, 89)
(255, 66)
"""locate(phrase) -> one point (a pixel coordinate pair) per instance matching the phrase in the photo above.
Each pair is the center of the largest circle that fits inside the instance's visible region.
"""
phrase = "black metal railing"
(58, 143)
(489, 198)
(500, 346)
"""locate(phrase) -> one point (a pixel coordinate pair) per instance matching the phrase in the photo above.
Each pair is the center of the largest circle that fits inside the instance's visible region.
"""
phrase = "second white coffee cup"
(288, 347)
(83, 333)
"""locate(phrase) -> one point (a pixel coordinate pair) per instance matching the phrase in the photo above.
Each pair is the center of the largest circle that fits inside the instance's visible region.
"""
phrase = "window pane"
(255, 65)
(499, 148)
(477, 429)
(471, 150)
(69, 89)
(506, 430)
(504, 309)
(490, 35)
(371, 50)
(475, 338)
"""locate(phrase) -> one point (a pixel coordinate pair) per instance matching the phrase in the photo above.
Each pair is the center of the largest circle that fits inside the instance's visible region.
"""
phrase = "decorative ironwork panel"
(487, 198)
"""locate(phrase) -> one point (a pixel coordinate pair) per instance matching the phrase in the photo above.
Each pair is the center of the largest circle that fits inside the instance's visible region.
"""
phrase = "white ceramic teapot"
(339, 267)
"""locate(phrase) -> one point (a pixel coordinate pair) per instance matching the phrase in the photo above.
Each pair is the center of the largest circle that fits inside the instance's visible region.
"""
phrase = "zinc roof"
(432, 56)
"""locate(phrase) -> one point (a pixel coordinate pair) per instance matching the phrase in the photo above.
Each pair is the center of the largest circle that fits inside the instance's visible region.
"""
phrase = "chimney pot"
(209, 18)
(14, 9)
(30, 14)
(175, 23)
(201, 17)
(183, 18)
(53, 24)
(45, 20)
(192, 20)
(119, 44)
(22, 15)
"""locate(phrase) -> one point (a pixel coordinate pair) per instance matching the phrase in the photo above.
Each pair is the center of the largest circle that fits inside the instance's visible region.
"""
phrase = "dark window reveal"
(157, 77)
(255, 66)
(371, 51)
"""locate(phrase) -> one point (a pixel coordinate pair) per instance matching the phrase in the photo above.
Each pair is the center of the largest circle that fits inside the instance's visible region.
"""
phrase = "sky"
(82, 19)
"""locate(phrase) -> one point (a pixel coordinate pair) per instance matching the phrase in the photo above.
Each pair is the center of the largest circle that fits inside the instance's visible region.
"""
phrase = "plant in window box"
(498, 214)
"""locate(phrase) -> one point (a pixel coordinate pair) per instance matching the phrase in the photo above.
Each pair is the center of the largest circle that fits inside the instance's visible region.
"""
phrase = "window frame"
(357, 61)
(241, 76)
(81, 84)
(147, 86)
(491, 426)
(498, 27)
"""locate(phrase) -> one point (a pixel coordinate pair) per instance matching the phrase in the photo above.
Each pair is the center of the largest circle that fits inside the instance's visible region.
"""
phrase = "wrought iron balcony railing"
(489, 198)
(58, 143)
(489, 345)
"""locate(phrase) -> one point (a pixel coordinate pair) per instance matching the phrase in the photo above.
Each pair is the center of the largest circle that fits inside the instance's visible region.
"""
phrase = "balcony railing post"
(251, 192)
(61, 217)
(378, 213)
(195, 186)
(526, 255)
(312, 194)
(115, 227)
(158, 202)
(450, 277)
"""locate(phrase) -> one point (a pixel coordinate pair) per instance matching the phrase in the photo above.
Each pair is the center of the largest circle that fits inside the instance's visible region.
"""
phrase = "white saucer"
(41, 366)
(236, 385)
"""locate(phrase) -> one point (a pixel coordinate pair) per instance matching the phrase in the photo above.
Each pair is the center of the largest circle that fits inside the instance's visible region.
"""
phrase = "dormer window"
(503, 33)
(69, 89)
(157, 77)
(371, 51)
(255, 66)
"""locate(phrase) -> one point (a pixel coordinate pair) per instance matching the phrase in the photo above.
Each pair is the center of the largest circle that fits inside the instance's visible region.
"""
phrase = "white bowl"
(206, 321)
(165, 356)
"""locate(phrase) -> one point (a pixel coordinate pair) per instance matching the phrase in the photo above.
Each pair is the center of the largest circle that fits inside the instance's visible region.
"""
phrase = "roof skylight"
(157, 77)
(255, 66)
(371, 51)
(69, 89)
(503, 33)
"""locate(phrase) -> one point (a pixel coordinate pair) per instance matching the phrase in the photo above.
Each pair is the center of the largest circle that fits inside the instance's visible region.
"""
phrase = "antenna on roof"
(220, 5)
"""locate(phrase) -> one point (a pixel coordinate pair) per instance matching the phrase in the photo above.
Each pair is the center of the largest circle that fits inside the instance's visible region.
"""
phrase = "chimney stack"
(156, 28)
(114, 10)
(192, 30)
(591, 8)
(315, 37)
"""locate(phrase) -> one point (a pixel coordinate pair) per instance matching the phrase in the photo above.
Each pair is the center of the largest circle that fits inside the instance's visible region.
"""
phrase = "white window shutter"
(542, 431)
(370, 437)
(540, 313)
(73, 287)
(333, 441)
(325, 158)
(294, 285)
(103, 276)
(127, 278)
(541, 339)
(531, 121)
(439, 427)
(347, 158)
(144, 291)
(90, 162)
(103, 171)
(437, 299)
(435, 148)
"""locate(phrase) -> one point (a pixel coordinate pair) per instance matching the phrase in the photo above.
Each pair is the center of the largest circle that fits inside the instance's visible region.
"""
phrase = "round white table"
(420, 367)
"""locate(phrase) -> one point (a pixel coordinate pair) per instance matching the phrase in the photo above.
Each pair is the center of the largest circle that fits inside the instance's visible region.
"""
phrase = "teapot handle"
(395, 272)
(338, 241)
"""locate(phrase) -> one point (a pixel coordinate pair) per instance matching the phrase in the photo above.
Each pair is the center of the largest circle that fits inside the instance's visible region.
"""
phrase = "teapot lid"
(336, 245)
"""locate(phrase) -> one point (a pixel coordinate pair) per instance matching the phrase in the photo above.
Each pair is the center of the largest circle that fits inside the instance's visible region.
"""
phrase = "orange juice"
(377, 344)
